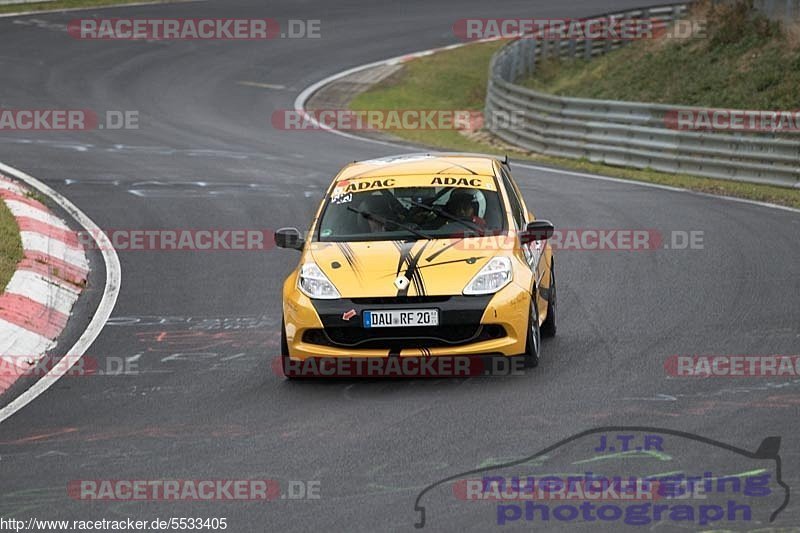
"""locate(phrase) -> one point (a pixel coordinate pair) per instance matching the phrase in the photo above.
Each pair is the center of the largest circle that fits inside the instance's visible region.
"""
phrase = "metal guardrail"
(785, 10)
(628, 134)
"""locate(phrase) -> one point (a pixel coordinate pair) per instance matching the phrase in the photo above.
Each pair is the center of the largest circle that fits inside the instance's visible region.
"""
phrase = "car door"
(534, 250)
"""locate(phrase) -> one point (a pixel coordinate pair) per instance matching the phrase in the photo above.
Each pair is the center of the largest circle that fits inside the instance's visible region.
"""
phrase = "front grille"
(401, 300)
(400, 338)
(459, 323)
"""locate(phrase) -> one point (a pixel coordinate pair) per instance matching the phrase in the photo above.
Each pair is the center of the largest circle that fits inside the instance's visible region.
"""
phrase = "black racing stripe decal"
(349, 256)
(405, 254)
(413, 274)
(419, 284)
(459, 166)
(437, 253)
(445, 169)
(394, 352)
(416, 279)
(469, 260)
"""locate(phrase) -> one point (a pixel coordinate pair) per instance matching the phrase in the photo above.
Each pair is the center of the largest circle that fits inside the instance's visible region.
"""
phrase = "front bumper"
(468, 325)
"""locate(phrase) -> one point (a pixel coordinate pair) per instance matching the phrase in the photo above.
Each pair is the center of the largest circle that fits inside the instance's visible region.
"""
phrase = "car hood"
(440, 267)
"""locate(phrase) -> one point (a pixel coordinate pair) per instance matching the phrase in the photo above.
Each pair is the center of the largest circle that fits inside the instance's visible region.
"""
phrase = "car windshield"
(374, 210)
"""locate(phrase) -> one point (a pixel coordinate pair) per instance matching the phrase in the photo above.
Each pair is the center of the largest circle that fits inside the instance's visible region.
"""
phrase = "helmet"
(461, 199)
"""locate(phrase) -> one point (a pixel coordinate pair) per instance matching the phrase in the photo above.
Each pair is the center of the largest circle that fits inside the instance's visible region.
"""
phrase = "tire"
(549, 325)
(533, 344)
(285, 352)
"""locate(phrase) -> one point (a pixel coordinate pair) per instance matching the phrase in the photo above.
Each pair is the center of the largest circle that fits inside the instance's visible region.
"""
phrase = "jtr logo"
(458, 182)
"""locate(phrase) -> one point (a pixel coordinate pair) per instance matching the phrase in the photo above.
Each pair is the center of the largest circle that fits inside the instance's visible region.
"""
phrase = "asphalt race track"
(202, 328)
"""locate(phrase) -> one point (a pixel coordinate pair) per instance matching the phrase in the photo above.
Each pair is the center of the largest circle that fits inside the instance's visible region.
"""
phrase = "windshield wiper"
(387, 222)
(442, 213)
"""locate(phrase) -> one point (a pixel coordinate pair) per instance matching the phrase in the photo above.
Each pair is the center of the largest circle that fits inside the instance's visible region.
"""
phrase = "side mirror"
(538, 230)
(289, 238)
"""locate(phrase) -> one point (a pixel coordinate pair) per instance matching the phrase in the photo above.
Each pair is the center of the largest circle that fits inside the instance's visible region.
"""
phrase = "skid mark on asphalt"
(208, 344)
(42, 436)
(41, 24)
(202, 341)
(203, 189)
(213, 348)
(732, 398)
(196, 323)
(170, 431)
(276, 184)
(21, 502)
(147, 150)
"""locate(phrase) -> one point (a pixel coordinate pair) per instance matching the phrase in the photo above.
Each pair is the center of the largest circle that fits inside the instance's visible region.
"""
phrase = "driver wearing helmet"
(380, 206)
(463, 205)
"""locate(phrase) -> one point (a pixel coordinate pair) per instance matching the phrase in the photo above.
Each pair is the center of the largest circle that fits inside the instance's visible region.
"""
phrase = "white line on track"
(101, 314)
(273, 86)
(305, 94)
(115, 6)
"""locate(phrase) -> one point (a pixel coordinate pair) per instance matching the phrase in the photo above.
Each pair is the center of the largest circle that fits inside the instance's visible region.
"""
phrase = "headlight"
(314, 284)
(494, 276)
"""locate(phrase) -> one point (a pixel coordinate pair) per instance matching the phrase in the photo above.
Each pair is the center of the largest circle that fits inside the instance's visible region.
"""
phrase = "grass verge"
(10, 245)
(744, 61)
(456, 79)
(68, 4)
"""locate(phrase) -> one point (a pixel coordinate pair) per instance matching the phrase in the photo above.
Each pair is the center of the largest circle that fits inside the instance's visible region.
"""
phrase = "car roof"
(422, 163)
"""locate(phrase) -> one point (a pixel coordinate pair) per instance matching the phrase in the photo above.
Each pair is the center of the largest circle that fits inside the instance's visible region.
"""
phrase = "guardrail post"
(677, 12)
(573, 45)
(515, 61)
(607, 48)
(526, 58)
(587, 49)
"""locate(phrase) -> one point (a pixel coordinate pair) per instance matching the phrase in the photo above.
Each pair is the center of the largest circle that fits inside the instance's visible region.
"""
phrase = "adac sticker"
(346, 186)
(475, 183)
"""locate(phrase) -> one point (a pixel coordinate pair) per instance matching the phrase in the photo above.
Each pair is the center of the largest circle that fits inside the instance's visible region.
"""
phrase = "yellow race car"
(420, 255)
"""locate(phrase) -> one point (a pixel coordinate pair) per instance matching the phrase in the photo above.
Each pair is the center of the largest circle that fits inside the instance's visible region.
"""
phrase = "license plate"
(401, 319)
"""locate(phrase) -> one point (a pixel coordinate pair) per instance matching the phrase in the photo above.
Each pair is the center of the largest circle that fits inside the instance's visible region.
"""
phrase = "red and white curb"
(36, 304)
(108, 300)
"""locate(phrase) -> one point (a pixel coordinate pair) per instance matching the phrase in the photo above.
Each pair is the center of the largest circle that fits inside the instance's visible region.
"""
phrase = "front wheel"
(534, 338)
(549, 324)
(288, 372)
